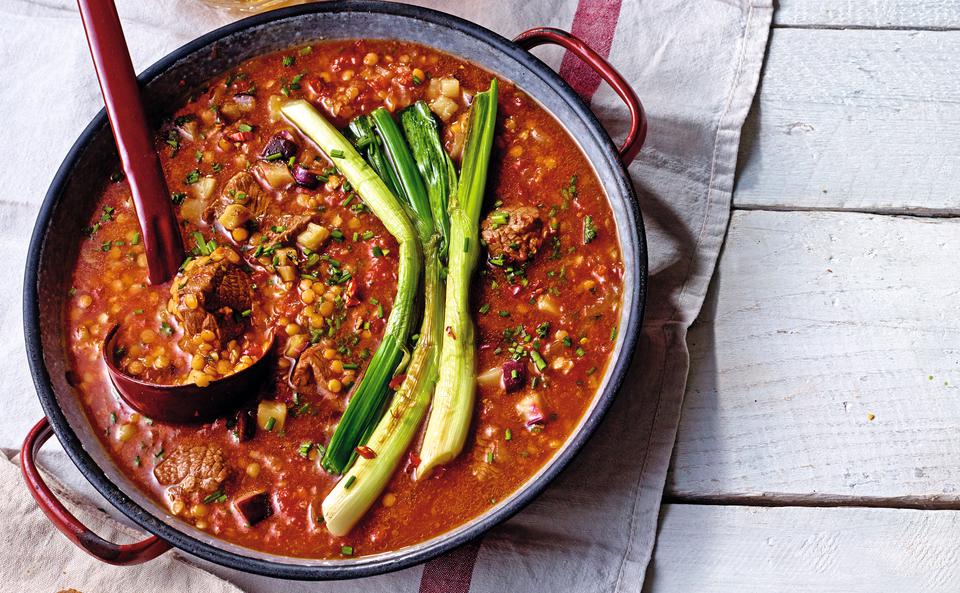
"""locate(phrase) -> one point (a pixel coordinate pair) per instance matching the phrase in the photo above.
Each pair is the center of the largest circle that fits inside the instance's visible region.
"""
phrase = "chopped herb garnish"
(580, 352)
(178, 197)
(507, 435)
(289, 61)
(136, 239)
(244, 127)
(337, 153)
(304, 449)
(589, 230)
(165, 328)
(271, 422)
(347, 550)
(538, 360)
(367, 235)
(349, 483)
(498, 219)
(504, 313)
(192, 177)
(216, 496)
(484, 308)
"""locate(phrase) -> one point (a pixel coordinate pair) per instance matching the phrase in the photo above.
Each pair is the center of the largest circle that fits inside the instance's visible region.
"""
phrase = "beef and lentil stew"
(283, 244)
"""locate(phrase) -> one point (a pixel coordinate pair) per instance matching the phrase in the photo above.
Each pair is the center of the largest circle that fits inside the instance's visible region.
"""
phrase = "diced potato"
(490, 377)
(313, 237)
(271, 415)
(548, 304)
(234, 216)
(274, 103)
(433, 89)
(230, 110)
(285, 257)
(287, 273)
(295, 345)
(450, 87)
(277, 175)
(203, 188)
(192, 209)
(444, 107)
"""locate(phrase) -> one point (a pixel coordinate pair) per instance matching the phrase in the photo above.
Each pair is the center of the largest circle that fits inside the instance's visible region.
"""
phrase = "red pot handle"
(70, 526)
(638, 119)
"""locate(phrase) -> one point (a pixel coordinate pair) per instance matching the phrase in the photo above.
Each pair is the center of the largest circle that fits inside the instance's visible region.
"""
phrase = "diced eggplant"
(305, 177)
(254, 507)
(246, 427)
(514, 375)
(280, 147)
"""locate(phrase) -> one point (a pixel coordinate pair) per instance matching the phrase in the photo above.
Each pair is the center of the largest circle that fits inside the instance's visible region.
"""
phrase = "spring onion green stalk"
(367, 142)
(452, 406)
(391, 439)
(436, 168)
(366, 405)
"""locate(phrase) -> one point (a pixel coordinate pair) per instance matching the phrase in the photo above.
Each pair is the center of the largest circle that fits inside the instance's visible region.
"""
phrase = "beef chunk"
(254, 507)
(196, 469)
(312, 370)
(284, 229)
(244, 190)
(212, 292)
(515, 234)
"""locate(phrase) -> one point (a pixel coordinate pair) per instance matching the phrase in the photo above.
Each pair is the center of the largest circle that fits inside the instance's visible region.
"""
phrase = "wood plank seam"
(814, 500)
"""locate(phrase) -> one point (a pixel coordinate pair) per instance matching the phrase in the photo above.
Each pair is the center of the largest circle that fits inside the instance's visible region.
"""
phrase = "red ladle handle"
(638, 119)
(121, 95)
(70, 526)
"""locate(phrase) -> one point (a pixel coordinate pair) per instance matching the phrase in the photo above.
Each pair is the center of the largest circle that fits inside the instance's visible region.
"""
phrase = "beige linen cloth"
(694, 64)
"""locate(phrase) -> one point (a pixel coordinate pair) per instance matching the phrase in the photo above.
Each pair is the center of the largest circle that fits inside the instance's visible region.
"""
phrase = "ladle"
(158, 225)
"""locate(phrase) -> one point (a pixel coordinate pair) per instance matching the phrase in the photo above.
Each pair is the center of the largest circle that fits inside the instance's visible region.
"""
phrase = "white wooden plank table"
(819, 447)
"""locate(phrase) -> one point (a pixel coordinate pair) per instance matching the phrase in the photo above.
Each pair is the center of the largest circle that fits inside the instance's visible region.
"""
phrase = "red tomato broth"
(572, 284)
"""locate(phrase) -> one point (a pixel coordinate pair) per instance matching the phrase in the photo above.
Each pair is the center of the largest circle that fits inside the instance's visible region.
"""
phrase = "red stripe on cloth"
(452, 572)
(595, 23)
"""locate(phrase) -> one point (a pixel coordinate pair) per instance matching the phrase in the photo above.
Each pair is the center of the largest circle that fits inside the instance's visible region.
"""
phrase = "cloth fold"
(695, 65)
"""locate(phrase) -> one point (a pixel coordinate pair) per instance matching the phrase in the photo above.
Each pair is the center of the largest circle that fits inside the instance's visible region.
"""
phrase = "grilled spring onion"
(366, 405)
(423, 134)
(391, 439)
(366, 141)
(453, 401)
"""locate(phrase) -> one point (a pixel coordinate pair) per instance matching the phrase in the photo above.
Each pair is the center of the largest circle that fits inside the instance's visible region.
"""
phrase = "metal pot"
(76, 186)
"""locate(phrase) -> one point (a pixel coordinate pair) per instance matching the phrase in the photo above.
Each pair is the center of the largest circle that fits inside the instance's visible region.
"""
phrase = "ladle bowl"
(187, 403)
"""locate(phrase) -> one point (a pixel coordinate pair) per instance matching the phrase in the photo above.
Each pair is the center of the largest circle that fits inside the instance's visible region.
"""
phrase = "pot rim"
(633, 237)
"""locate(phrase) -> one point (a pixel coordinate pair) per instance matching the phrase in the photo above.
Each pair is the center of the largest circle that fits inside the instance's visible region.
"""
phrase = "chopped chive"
(337, 153)
(538, 360)
(507, 435)
(347, 550)
(349, 483)
(244, 127)
(271, 422)
(304, 449)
